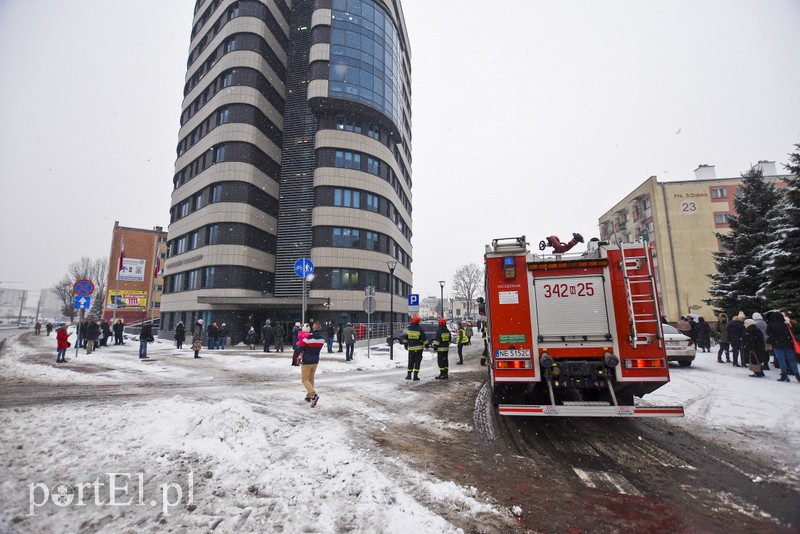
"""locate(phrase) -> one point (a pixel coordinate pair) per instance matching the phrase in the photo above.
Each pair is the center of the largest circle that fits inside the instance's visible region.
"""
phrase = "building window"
(345, 237)
(348, 123)
(193, 240)
(193, 280)
(347, 198)
(374, 131)
(223, 115)
(373, 202)
(183, 209)
(212, 235)
(216, 193)
(721, 218)
(177, 282)
(719, 192)
(348, 160)
(230, 45)
(227, 79)
(181, 245)
(372, 241)
(344, 279)
(218, 154)
(208, 277)
(198, 202)
(373, 166)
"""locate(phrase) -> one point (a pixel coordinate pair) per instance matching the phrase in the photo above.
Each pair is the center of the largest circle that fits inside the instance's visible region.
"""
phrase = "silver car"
(680, 348)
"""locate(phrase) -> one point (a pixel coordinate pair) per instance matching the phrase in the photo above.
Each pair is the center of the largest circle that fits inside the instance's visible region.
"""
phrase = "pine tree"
(740, 265)
(782, 287)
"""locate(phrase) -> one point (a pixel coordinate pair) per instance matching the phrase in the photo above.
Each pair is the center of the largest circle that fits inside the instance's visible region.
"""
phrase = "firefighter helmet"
(415, 319)
(442, 320)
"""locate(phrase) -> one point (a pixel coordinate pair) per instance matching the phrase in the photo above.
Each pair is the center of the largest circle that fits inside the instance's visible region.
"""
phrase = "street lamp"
(391, 265)
(441, 299)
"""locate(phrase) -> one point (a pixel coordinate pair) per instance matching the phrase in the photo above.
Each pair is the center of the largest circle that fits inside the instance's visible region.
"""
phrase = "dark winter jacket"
(312, 345)
(415, 338)
(277, 332)
(778, 332)
(266, 332)
(93, 331)
(118, 328)
(735, 333)
(180, 333)
(722, 328)
(441, 342)
(146, 333)
(753, 345)
(702, 333)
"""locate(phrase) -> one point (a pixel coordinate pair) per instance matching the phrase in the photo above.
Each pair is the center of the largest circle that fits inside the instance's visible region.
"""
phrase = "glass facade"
(365, 57)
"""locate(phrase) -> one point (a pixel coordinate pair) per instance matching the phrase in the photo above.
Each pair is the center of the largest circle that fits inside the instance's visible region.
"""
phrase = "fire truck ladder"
(644, 296)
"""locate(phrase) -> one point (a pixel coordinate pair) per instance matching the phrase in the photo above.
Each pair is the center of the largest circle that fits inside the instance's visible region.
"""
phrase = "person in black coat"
(753, 350)
(92, 335)
(702, 334)
(180, 334)
(105, 330)
(118, 328)
(735, 333)
(780, 337)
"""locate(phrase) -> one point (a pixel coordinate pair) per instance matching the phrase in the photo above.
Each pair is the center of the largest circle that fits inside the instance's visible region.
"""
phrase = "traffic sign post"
(82, 303)
(304, 269)
(83, 288)
(370, 303)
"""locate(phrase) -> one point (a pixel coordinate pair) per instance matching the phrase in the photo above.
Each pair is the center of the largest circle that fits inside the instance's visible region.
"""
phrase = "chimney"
(705, 172)
(767, 168)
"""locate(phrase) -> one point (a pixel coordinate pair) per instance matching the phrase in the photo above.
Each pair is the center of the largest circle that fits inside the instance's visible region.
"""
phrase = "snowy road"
(226, 444)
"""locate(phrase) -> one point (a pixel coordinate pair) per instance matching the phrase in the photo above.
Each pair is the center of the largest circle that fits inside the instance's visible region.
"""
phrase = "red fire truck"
(574, 334)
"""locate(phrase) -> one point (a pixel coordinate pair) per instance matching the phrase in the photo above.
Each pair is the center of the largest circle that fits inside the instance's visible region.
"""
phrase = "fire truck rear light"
(644, 364)
(513, 364)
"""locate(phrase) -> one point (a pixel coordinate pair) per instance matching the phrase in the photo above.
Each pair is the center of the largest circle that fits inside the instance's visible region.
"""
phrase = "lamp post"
(391, 265)
(441, 299)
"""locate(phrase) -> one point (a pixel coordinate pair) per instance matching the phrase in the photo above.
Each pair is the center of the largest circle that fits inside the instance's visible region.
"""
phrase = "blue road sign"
(303, 267)
(413, 300)
(82, 303)
(83, 288)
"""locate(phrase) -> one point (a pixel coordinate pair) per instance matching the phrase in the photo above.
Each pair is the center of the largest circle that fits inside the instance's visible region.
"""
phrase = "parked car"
(680, 348)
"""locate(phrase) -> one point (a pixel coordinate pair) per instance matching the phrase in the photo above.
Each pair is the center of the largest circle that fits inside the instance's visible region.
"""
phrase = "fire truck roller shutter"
(571, 306)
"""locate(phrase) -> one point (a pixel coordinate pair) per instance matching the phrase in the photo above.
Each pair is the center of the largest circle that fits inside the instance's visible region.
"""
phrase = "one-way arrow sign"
(82, 303)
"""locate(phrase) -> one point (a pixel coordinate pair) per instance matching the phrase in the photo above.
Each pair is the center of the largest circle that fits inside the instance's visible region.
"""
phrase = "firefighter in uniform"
(415, 341)
(461, 340)
(441, 345)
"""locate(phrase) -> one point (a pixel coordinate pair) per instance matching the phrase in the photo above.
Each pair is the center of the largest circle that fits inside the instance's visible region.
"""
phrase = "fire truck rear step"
(590, 411)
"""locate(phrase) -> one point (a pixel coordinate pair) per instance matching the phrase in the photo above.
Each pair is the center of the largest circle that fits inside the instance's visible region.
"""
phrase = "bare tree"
(84, 269)
(64, 292)
(468, 284)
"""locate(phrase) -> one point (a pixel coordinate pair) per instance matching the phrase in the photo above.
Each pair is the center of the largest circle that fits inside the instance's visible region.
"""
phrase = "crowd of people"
(749, 342)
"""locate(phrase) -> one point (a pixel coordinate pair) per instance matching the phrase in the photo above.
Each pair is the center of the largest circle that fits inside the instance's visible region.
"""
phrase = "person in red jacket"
(62, 338)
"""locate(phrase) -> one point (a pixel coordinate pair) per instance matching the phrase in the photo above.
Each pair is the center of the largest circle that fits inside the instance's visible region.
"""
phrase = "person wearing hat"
(414, 340)
(441, 345)
(197, 337)
(62, 340)
(735, 333)
(753, 348)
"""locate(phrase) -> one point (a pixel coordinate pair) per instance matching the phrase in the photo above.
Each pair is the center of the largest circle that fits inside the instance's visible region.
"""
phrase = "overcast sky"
(532, 119)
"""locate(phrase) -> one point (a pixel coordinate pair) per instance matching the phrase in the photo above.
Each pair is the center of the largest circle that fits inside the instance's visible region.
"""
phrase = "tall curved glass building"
(295, 143)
